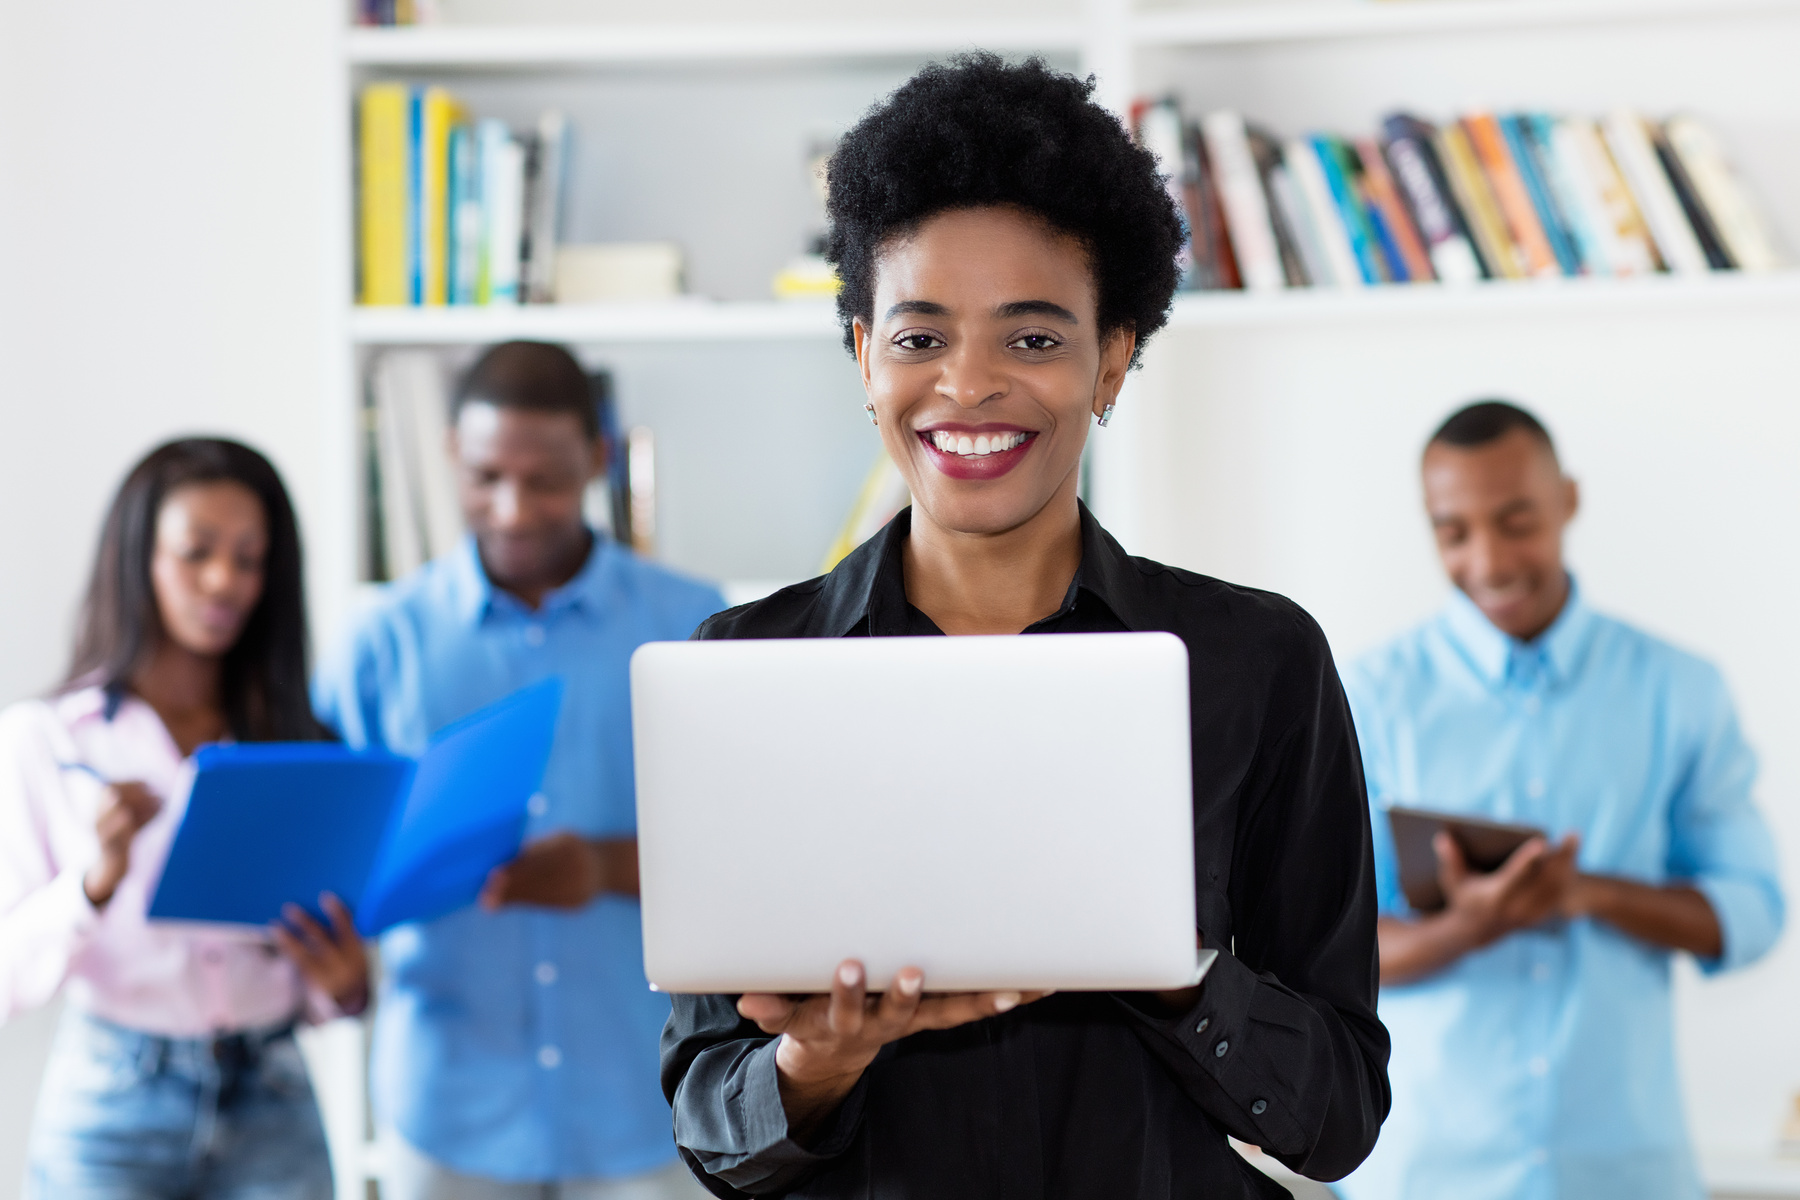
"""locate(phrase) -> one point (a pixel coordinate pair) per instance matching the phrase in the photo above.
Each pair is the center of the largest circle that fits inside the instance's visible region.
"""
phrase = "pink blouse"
(175, 980)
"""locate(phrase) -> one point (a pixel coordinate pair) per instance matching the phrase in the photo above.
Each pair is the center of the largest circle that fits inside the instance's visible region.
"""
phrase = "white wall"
(163, 266)
(1681, 425)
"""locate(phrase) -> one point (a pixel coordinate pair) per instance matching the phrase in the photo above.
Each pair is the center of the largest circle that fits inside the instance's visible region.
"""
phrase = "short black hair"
(535, 376)
(1486, 421)
(975, 132)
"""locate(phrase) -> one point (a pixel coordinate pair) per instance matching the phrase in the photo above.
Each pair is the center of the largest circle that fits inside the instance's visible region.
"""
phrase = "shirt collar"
(476, 598)
(870, 582)
(1553, 656)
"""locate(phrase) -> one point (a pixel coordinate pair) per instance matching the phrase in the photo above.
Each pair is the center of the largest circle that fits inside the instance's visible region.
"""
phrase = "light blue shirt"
(520, 1045)
(1543, 1065)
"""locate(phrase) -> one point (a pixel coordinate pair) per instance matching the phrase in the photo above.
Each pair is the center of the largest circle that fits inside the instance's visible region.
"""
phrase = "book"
(1335, 163)
(1692, 207)
(1267, 153)
(1285, 194)
(1158, 130)
(1215, 263)
(1533, 170)
(1629, 250)
(437, 113)
(1583, 214)
(1414, 167)
(463, 260)
(1522, 223)
(1740, 224)
(1469, 185)
(1385, 199)
(1246, 206)
(383, 209)
(1302, 161)
(267, 824)
(418, 510)
(502, 172)
(546, 166)
(1628, 138)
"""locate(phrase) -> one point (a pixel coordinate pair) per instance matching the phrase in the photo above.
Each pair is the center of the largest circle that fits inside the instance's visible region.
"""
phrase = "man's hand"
(333, 960)
(564, 870)
(128, 808)
(828, 1041)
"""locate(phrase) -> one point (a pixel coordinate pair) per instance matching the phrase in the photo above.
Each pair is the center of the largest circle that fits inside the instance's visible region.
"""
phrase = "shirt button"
(538, 805)
(1204, 1022)
(549, 1057)
(534, 635)
(1220, 1049)
(1535, 789)
(1259, 1108)
(546, 973)
(1539, 1066)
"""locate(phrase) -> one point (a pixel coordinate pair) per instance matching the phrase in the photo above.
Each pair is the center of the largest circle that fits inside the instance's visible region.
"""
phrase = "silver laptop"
(1002, 812)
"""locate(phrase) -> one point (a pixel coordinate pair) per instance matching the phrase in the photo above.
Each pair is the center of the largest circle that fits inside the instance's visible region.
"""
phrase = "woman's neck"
(185, 690)
(997, 583)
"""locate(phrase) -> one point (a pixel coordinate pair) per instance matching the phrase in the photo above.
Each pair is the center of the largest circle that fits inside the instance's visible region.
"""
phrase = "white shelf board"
(1307, 20)
(1207, 310)
(473, 46)
(685, 320)
(1750, 1173)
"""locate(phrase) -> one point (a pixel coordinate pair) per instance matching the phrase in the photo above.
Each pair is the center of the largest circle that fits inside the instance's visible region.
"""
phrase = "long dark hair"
(264, 676)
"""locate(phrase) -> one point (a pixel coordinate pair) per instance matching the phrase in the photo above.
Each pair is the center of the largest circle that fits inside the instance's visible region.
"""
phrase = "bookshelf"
(1255, 415)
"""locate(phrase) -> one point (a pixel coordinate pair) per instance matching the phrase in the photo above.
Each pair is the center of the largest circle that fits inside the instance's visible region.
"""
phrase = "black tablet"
(1485, 845)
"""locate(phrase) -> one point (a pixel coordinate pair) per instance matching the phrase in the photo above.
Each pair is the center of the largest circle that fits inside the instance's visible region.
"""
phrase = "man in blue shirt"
(516, 1042)
(1533, 1041)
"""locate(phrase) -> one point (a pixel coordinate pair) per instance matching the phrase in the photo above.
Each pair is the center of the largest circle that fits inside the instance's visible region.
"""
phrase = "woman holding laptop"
(1005, 253)
(175, 1073)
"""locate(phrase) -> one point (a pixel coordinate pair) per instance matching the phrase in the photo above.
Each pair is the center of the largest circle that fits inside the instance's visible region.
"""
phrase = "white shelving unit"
(1257, 418)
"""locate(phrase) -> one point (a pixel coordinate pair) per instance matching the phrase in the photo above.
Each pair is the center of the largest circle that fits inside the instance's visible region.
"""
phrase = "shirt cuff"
(765, 1117)
(1750, 916)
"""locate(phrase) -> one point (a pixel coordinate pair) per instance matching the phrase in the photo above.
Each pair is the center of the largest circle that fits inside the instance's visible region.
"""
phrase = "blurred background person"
(175, 1072)
(516, 1043)
(1533, 1037)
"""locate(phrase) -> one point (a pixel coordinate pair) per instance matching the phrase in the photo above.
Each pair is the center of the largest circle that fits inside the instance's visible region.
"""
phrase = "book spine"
(1285, 194)
(1267, 154)
(1741, 226)
(1302, 159)
(1537, 186)
(1158, 128)
(463, 260)
(1470, 186)
(1577, 199)
(1509, 189)
(544, 183)
(1636, 158)
(1414, 169)
(1334, 162)
(1706, 230)
(1629, 250)
(434, 210)
(415, 196)
(1241, 195)
(502, 193)
(1384, 198)
(382, 198)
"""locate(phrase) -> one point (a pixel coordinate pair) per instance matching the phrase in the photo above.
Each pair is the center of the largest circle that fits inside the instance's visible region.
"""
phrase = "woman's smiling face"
(985, 365)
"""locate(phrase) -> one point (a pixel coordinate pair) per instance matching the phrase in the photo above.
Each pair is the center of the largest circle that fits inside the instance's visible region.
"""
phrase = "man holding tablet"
(1533, 1044)
(1005, 250)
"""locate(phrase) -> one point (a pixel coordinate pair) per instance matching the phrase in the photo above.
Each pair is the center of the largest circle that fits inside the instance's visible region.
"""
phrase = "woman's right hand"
(128, 808)
(828, 1041)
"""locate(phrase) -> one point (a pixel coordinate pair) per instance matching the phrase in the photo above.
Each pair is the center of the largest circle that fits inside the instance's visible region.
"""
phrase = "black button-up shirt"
(1098, 1094)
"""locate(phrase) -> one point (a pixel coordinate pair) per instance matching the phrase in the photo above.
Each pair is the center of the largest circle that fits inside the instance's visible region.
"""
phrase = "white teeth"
(975, 447)
(965, 445)
(981, 445)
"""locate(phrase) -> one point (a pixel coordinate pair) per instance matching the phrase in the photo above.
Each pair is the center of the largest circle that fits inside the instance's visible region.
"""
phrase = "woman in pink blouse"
(175, 1072)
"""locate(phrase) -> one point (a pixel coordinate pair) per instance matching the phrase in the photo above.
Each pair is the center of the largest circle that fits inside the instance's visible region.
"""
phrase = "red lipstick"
(978, 466)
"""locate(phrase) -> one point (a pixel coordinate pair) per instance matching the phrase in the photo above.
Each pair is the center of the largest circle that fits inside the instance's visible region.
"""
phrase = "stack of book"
(451, 210)
(1511, 196)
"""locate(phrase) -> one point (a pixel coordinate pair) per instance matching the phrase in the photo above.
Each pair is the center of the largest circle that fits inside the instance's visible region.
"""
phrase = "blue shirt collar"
(1551, 658)
(476, 598)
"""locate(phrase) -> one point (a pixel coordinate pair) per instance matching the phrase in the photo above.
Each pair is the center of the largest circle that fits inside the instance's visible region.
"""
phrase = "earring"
(870, 408)
(1105, 415)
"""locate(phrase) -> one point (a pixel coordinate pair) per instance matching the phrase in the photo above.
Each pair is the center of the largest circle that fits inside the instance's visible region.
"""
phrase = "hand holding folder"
(399, 840)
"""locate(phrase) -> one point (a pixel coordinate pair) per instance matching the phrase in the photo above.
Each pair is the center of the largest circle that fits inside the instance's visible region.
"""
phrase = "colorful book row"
(1486, 196)
(451, 210)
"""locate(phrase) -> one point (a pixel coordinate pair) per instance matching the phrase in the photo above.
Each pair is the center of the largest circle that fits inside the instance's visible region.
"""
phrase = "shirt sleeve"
(347, 690)
(1283, 1049)
(1718, 839)
(718, 1072)
(45, 915)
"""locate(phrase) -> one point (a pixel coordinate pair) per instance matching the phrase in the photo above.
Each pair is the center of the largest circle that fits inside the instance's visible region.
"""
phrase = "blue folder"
(396, 839)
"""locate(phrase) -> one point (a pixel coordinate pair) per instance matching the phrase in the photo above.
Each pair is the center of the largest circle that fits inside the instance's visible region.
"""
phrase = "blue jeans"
(131, 1116)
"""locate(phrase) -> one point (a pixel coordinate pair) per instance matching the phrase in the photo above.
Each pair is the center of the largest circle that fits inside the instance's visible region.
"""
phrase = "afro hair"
(977, 131)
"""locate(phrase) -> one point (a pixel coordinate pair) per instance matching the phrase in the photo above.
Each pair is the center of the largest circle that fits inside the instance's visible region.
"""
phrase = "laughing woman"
(175, 1073)
(1005, 253)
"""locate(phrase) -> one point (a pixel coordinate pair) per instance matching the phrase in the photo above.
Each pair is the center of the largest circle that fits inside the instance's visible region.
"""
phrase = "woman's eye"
(917, 341)
(1036, 341)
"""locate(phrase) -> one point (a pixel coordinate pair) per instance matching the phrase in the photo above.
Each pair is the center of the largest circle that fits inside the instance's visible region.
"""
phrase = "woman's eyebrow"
(924, 308)
(1035, 308)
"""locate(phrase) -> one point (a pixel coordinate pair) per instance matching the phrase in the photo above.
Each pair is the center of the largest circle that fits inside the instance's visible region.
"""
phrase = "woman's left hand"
(332, 960)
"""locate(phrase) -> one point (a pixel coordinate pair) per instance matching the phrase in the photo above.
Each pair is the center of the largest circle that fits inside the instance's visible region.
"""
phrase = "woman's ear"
(860, 333)
(1115, 363)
